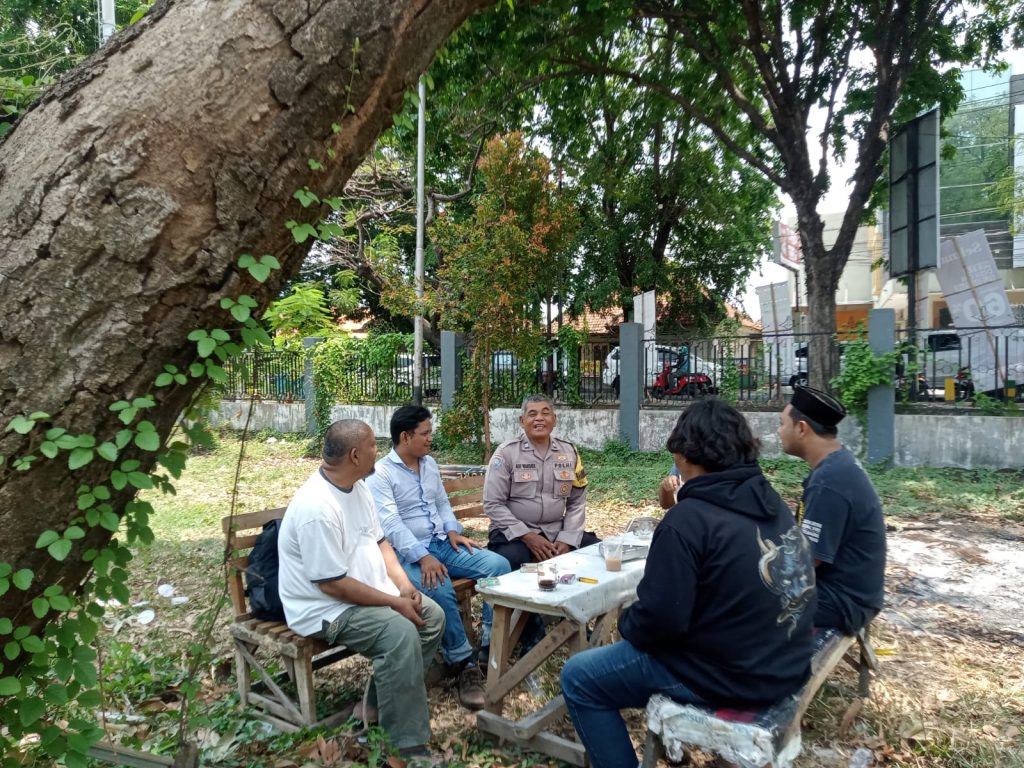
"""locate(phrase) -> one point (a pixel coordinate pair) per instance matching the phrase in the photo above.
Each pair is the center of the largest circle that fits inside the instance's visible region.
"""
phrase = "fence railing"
(945, 363)
(266, 374)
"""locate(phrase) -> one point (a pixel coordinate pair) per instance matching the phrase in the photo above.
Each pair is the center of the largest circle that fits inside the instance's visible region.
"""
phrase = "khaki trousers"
(401, 652)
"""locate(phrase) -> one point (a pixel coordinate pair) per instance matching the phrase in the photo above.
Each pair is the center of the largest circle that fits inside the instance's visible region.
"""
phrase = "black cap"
(818, 406)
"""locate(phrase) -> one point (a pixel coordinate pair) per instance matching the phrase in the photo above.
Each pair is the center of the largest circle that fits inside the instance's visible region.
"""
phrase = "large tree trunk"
(824, 268)
(128, 193)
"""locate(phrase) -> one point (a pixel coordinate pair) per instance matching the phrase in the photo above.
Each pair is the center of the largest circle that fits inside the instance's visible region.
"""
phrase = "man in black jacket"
(724, 610)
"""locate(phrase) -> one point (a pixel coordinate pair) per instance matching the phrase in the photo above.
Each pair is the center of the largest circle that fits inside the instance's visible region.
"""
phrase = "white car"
(665, 355)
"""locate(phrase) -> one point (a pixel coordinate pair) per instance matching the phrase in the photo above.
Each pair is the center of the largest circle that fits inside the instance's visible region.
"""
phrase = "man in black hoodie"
(724, 610)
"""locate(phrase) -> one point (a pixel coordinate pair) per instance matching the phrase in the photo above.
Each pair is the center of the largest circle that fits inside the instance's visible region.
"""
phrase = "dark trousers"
(517, 553)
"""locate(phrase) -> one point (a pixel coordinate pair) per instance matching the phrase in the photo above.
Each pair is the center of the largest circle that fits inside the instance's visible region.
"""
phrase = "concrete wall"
(967, 441)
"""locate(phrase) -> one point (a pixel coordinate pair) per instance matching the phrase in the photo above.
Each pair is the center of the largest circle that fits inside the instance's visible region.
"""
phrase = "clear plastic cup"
(613, 555)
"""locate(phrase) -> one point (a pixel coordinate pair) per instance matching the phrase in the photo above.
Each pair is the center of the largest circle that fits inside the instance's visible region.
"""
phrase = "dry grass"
(950, 692)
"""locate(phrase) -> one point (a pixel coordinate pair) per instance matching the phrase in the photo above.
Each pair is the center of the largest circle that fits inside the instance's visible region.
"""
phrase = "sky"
(834, 202)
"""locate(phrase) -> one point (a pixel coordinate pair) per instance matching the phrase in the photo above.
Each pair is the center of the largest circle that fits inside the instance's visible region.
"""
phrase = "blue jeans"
(479, 563)
(599, 682)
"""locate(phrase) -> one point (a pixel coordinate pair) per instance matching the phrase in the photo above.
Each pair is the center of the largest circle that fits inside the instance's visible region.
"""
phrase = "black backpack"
(261, 575)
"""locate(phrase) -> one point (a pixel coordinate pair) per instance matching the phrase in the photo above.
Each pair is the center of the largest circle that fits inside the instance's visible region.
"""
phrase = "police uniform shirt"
(525, 492)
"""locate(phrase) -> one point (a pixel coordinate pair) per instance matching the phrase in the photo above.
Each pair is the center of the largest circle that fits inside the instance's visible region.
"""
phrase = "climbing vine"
(862, 369)
(48, 676)
(570, 341)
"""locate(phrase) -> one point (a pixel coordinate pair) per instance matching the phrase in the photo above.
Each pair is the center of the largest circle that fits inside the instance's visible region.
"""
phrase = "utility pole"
(421, 144)
(107, 22)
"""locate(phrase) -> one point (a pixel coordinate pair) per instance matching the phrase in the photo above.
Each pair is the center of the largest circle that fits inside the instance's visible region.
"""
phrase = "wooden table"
(576, 605)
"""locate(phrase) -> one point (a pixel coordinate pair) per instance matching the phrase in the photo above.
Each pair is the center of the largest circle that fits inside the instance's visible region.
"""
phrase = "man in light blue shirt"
(418, 521)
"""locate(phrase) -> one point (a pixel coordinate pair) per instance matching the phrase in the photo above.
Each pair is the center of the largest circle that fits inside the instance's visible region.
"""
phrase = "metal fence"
(266, 374)
(944, 363)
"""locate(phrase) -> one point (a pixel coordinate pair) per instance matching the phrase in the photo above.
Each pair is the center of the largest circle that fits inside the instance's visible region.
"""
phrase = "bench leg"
(304, 687)
(466, 612)
(243, 677)
(654, 750)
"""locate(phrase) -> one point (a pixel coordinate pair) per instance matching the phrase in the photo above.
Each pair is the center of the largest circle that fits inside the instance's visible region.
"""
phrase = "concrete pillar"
(881, 426)
(631, 381)
(308, 388)
(451, 367)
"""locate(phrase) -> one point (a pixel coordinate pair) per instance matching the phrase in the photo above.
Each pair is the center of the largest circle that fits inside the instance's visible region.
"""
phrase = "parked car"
(676, 358)
(800, 376)
(431, 380)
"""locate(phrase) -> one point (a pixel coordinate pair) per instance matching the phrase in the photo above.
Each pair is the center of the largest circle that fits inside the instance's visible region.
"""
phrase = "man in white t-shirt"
(340, 579)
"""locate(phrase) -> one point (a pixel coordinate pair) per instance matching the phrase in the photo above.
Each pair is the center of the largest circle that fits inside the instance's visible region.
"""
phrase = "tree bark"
(128, 193)
(824, 268)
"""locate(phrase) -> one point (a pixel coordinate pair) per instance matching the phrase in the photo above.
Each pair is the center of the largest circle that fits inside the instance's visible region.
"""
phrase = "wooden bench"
(465, 488)
(300, 656)
(756, 738)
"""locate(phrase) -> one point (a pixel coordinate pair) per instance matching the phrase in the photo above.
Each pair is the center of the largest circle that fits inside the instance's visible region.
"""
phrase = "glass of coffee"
(613, 555)
(547, 576)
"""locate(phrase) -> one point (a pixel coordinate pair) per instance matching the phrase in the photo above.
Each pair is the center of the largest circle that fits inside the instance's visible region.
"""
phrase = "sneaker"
(471, 687)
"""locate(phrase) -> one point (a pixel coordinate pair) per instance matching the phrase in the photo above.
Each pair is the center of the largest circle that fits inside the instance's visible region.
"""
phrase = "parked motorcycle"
(673, 382)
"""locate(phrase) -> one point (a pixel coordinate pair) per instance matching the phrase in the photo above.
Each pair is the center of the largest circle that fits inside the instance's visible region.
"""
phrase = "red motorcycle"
(673, 382)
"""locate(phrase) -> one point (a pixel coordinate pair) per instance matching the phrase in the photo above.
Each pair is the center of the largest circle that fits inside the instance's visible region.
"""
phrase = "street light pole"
(421, 143)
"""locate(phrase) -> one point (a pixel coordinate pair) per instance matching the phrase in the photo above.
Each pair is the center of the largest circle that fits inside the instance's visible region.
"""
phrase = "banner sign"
(786, 246)
(976, 298)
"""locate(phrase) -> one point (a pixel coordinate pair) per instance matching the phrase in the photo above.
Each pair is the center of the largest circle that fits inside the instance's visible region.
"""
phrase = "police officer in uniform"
(535, 491)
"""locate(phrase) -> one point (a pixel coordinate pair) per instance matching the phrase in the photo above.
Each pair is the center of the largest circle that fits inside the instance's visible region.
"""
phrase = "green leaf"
(148, 441)
(60, 603)
(197, 334)
(30, 710)
(85, 441)
(89, 699)
(21, 425)
(164, 379)
(110, 521)
(60, 549)
(140, 480)
(240, 313)
(86, 500)
(246, 260)
(22, 579)
(196, 370)
(120, 405)
(46, 538)
(79, 458)
(57, 693)
(9, 686)
(12, 650)
(54, 433)
(101, 492)
(206, 346)
(85, 673)
(6, 625)
(260, 272)
(216, 373)
(107, 451)
(305, 197)
(123, 437)
(49, 449)
(39, 416)
(270, 261)
(73, 532)
(300, 233)
(118, 479)
(41, 606)
(315, 165)
(33, 644)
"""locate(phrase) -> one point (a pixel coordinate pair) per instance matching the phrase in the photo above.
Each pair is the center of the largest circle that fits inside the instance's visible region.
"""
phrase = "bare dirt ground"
(949, 693)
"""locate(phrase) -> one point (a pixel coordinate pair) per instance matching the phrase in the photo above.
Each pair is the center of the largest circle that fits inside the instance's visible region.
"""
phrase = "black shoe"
(471, 686)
